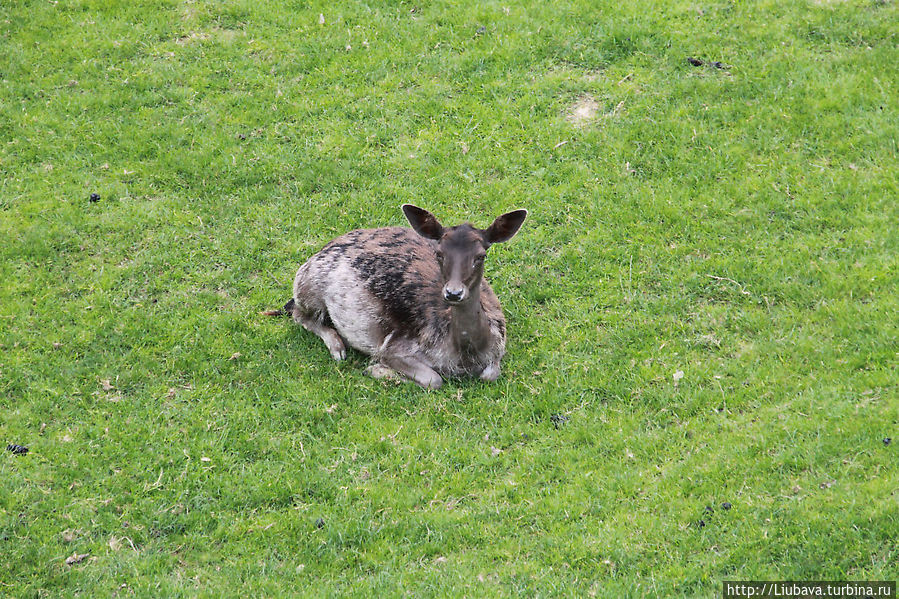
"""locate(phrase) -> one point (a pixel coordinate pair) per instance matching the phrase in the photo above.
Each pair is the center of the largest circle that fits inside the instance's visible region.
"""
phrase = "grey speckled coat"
(414, 300)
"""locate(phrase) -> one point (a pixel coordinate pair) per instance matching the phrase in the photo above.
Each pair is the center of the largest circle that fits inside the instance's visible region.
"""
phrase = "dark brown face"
(460, 250)
(460, 253)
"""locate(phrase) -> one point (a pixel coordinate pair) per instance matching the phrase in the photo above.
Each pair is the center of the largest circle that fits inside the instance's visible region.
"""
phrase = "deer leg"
(491, 372)
(328, 335)
(410, 367)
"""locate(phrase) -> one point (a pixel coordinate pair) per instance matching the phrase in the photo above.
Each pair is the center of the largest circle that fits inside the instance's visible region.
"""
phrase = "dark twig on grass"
(696, 62)
(17, 449)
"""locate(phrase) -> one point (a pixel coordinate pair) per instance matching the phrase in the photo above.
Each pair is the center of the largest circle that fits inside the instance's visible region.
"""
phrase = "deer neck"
(469, 326)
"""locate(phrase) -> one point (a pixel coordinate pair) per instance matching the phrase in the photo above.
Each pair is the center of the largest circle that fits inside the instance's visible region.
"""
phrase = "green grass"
(735, 224)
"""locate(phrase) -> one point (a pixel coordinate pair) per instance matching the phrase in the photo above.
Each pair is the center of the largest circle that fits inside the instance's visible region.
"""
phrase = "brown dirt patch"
(583, 110)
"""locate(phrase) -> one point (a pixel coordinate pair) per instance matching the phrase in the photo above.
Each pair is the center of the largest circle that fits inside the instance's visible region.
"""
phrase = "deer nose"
(453, 294)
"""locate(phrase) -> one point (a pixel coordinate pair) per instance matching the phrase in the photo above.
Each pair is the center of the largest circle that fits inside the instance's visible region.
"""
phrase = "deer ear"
(506, 226)
(424, 223)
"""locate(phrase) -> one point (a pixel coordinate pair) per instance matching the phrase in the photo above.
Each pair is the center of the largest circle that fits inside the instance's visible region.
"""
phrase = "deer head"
(461, 250)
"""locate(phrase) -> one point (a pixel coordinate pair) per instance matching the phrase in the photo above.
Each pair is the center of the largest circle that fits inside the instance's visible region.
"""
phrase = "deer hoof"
(336, 347)
(491, 373)
(431, 381)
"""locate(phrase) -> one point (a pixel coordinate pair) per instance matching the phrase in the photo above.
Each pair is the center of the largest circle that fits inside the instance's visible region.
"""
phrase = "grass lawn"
(703, 305)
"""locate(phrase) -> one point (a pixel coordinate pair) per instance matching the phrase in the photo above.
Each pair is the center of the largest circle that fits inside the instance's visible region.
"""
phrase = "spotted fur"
(385, 293)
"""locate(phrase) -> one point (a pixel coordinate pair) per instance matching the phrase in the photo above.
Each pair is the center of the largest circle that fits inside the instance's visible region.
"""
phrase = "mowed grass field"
(701, 381)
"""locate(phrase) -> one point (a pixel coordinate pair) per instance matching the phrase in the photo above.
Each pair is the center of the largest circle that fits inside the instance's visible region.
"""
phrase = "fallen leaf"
(107, 386)
(205, 459)
(76, 558)
(235, 355)
(710, 340)
(321, 19)
(678, 375)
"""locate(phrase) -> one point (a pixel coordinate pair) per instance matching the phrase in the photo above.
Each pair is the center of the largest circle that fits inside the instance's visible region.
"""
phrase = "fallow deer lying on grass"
(416, 301)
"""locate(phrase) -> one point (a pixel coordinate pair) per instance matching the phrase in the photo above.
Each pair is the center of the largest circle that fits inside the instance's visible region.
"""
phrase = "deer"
(415, 300)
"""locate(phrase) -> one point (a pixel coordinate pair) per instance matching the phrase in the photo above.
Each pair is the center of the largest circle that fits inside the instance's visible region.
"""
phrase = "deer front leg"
(412, 368)
(491, 372)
